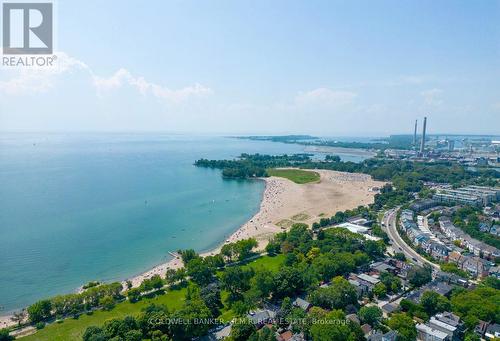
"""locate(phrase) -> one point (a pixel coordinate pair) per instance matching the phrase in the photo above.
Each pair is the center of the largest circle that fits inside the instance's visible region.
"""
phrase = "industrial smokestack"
(422, 145)
(415, 135)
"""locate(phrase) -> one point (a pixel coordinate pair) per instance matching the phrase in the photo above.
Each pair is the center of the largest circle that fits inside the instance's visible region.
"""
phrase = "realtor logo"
(27, 28)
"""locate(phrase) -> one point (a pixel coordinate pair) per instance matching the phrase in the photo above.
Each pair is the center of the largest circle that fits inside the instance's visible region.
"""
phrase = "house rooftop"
(368, 278)
(439, 335)
(434, 322)
(301, 303)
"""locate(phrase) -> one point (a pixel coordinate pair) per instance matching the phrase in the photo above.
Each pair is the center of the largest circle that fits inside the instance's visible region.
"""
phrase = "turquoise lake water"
(83, 207)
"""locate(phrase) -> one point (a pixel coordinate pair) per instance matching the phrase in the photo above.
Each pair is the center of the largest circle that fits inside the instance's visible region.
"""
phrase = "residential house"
(492, 331)
(480, 329)
(260, 318)
(437, 250)
(495, 230)
(495, 271)
(379, 336)
(476, 266)
(436, 285)
(303, 304)
(381, 267)
(427, 333)
(367, 329)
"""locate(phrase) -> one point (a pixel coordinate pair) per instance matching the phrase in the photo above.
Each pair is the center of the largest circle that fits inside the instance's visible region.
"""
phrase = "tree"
(4, 335)
(491, 282)
(187, 255)
(245, 247)
(107, 302)
(215, 261)
(178, 276)
(134, 295)
(404, 325)
(133, 335)
(239, 250)
(332, 329)
(263, 281)
(329, 265)
(265, 334)
(288, 282)
(400, 256)
(338, 295)
(391, 282)
(374, 248)
(211, 296)
(18, 317)
(273, 247)
(432, 302)
(39, 311)
(380, 290)
(242, 330)
(370, 315)
(477, 304)
(200, 272)
(236, 280)
(192, 311)
(94, 333)
(156, 282)
(419, 276)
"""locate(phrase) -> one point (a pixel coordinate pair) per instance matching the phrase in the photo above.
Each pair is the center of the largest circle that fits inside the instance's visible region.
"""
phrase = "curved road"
(389, 225)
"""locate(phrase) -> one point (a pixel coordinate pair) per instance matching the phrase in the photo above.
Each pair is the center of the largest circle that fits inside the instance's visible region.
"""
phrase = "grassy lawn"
(71, 329)
(298, 176)
(268, 262)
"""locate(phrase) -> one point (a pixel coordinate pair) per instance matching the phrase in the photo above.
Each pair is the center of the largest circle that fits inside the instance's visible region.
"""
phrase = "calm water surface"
(75, 208)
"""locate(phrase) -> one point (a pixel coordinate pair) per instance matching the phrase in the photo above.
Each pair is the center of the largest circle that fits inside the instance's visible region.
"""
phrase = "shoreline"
(283, 203)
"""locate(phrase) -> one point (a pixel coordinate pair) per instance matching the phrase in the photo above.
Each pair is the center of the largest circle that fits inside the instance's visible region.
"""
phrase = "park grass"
(272, 263)
(73, 329)
(298, 176)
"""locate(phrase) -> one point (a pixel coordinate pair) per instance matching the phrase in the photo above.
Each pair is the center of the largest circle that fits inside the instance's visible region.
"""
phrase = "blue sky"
(320, 67)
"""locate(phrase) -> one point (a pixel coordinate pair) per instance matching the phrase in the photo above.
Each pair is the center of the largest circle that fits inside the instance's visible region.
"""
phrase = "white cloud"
(123, 77)
(28, 80)
(432, 96)
(325, 96)
(37, 80)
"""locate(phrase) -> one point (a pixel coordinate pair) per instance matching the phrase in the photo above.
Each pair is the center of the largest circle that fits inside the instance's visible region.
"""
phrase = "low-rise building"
(476, 266)
(427, 333)
(471, 195)
(261, 317)
(492, 331)
(379, 336)
(302, 304)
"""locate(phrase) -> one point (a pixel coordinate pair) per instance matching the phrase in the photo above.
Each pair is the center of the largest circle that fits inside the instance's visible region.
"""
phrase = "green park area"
(73, 329)
(298, 176)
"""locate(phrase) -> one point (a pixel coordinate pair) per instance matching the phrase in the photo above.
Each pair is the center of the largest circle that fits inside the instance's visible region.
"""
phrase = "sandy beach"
(285, 202)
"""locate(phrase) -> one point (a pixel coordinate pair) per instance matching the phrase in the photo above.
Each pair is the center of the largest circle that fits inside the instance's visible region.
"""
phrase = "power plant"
(415, 135)
(422, 145)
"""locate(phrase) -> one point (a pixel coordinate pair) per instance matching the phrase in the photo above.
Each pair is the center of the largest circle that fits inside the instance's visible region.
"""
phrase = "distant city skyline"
(283, 67)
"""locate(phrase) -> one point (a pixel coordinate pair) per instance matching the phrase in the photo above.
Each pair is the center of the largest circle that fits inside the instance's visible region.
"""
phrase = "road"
(399, 245)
